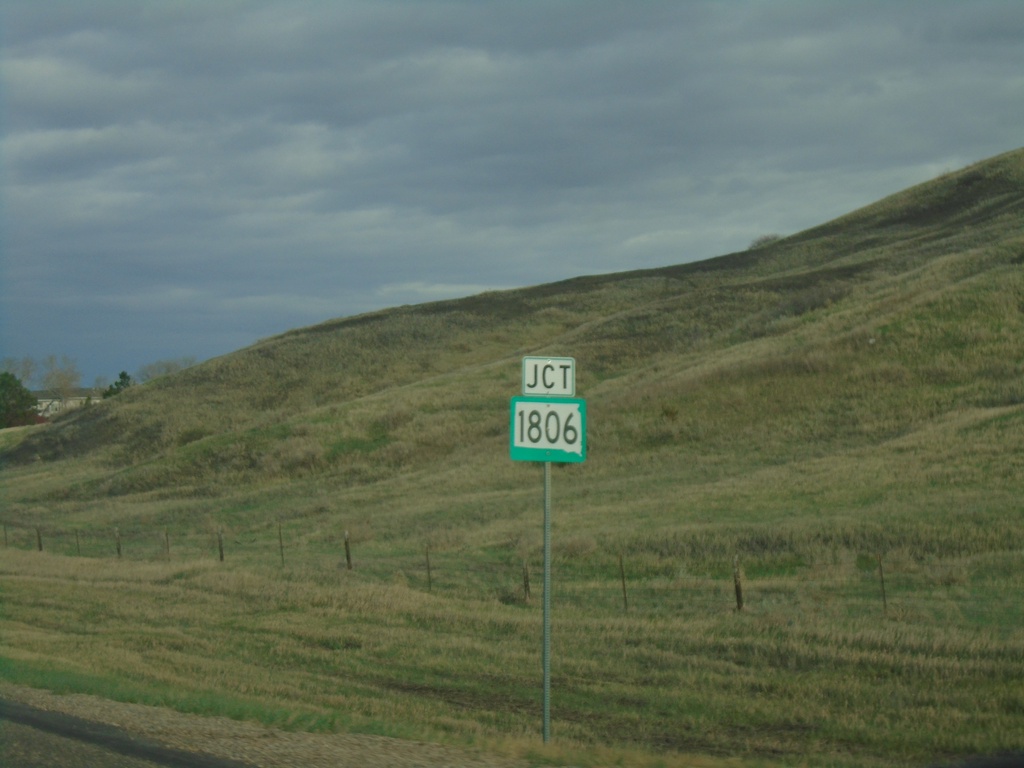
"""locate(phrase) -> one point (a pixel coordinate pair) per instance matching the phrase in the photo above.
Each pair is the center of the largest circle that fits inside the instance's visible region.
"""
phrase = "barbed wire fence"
(610, 583)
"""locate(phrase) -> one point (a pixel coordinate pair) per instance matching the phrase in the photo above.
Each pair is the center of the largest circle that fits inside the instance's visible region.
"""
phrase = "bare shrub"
(762, 240)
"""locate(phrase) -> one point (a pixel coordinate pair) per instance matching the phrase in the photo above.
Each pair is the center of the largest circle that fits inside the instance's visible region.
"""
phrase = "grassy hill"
(847, 397)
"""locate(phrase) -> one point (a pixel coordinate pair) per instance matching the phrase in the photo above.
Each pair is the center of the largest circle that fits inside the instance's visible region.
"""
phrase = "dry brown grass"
(844, 393)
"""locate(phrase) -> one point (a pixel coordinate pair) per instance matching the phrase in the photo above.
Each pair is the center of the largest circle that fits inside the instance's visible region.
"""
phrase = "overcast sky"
(185, 178)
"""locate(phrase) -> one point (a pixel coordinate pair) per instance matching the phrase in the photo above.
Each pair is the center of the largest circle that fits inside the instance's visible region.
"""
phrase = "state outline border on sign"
(526, 453)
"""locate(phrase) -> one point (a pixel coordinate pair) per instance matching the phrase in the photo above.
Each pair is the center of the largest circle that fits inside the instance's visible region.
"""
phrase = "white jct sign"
(554, 376)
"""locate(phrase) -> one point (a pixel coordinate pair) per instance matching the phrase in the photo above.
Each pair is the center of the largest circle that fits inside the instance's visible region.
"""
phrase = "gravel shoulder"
(166, 733)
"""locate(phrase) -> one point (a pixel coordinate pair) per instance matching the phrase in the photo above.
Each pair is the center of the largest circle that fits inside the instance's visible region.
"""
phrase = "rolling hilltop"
(887, 322)
(812, 410)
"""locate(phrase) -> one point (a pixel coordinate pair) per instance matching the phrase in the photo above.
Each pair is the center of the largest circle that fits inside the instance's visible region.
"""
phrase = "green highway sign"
(548, 429)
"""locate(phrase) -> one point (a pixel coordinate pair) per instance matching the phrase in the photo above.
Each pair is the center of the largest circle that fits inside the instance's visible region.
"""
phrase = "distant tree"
(763, 240)
(124, 381)
(164, 368)
(17, 403)
(24, 369)
(61, 377)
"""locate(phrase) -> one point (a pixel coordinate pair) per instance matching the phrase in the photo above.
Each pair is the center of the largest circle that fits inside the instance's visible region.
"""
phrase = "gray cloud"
(183, 178)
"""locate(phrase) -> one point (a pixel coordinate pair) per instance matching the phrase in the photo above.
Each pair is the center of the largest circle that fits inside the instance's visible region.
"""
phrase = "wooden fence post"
(622, 575)
(526, 580)
(167, 544)
(78, 544)
(220, 544)
(737, 581)
(348, 553)
(39, 538)
(117, 541)
(430, 580)
(881, 578)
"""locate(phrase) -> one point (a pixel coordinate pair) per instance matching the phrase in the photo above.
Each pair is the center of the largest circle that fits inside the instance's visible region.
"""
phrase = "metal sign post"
(547, 428)
(546, 655)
